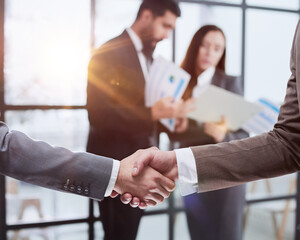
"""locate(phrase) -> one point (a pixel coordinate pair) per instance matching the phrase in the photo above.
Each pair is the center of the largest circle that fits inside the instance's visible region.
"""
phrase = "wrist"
(119, 181)
(173, 158)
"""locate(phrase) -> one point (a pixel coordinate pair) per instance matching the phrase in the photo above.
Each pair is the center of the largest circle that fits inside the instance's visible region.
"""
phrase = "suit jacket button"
(72, 188)
(86, 191)
(79, 189)
(66, 188)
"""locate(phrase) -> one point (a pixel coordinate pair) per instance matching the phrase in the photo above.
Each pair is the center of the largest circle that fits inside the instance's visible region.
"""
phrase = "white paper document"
(166, 79)
(216, 102)
(264, 121)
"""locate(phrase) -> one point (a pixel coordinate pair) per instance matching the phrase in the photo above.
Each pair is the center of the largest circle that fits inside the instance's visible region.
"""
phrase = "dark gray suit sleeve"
(56, 168)
(269, 155)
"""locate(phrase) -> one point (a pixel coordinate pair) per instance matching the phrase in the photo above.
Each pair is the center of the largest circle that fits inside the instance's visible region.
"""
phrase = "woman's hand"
(181, 125)
(216, 130)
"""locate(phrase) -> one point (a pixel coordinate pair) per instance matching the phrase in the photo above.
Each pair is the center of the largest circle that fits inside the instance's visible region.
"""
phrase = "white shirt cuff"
(187, 172)
(113, 178)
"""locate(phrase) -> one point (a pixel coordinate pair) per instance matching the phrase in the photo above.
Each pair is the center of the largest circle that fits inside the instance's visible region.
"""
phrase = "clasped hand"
(146, 177)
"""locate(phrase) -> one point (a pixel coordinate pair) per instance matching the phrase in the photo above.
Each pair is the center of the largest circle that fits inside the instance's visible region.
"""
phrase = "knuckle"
(160, 199)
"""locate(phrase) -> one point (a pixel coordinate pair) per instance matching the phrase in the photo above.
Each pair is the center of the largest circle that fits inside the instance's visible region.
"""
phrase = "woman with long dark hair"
(216, 215)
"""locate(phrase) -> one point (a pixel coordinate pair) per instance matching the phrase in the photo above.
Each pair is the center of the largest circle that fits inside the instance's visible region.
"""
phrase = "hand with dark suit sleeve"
(268, 155)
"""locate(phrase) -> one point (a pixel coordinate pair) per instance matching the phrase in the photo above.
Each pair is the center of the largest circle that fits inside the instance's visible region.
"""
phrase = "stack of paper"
(216, 102)
(166, 79)
(265, 120)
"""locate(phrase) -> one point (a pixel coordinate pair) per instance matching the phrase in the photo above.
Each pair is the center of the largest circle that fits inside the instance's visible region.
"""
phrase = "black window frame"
(172, 210)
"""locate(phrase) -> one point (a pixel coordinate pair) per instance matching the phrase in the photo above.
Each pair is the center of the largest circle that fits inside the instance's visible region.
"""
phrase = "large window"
(45, 47)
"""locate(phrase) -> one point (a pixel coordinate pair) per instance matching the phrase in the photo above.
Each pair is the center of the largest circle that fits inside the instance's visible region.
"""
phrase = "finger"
(143, 205)
(135, 202)
(155, 197)
(167, 184)
(189, 109)
(150, 202)
(161, 191)
(126, 198)
(171, 99)
(143, 160)
(192, 100)
(114, 194)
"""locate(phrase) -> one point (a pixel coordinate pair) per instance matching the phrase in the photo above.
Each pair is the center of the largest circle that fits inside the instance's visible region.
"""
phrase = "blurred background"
(45, 49)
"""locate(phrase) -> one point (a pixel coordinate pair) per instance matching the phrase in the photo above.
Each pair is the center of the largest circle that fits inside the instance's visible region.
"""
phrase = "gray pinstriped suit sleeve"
(56, 168)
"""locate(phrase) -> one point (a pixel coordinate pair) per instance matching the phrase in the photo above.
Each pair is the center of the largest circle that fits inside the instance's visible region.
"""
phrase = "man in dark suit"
(120, 123)
(272, 154)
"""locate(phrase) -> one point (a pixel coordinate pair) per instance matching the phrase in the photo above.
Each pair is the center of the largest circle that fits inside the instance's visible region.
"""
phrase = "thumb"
(143, 160)
(169, 99)
(114, 194)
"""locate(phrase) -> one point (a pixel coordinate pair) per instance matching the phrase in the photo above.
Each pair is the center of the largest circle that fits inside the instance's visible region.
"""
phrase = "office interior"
(45, 49)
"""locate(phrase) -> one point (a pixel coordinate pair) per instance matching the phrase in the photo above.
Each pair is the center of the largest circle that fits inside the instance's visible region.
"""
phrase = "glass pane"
(227, 18)
(223, 1)
(99, 232)
(260, 216)
(177, 197)
(290, 4)
(269, 37)
(158, 230)
(64, 232)
(181, 227)
(26, 202)
(160, 206)
(260, 223)
(272, 187)
(111, 24)
(65, 128)
(47, 48)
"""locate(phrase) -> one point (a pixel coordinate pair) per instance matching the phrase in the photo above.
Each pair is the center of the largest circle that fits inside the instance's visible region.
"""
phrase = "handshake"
(146, 177)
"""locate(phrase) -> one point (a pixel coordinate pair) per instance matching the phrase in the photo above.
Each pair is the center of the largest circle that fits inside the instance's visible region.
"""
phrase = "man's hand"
(163, 161)
(167, 108)
(148, 186)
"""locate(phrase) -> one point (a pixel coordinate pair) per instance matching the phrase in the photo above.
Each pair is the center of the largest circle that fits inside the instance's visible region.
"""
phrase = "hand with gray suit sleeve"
(85, 174)
(57, 168)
